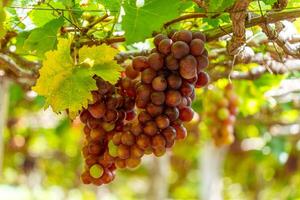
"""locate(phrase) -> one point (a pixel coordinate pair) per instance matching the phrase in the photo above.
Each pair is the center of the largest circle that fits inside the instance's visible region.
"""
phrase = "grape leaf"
(2, 20)
(269, 2)
(113, 6)
(67, 85)
(219, 5)
(102, 58)
(44, 38)
(41, 17)
(139, 22)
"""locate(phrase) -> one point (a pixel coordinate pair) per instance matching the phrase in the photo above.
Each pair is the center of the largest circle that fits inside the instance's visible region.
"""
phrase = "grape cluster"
(166, 89)
(161, 86)
(221, 114)
(109, 111)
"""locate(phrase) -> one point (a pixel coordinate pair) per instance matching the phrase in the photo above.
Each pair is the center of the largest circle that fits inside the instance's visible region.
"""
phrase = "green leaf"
(269, 2)
(219, 5)
(102, 58)
(139, 22)
(68, 86)
(41, 17)
(2, 20)
(44, 39)
(113, 6)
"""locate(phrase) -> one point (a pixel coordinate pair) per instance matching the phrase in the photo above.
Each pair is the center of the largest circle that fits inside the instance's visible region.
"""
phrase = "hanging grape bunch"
(162, 87)
(111, 108)
(166, 89)
(221, 114)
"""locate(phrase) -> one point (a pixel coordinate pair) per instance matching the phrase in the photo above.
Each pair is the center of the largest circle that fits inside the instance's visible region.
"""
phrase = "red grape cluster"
(162, 87)
(110, 109)
(166, 89)
(222, 115)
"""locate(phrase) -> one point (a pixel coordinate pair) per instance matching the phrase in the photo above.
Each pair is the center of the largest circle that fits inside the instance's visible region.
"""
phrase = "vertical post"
(4, 83)
(158, 175)
(210, 172)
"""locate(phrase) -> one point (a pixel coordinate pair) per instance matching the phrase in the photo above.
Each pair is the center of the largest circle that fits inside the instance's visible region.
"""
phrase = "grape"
(141, 103)
(199, 35)
(128, 139)
(150, 128)
(136, 152)
(223, 113)
(97, 110)
(184, 35)
(84, 116)
(131, 73)
(144, 91)
(188, 67)
(117, 138)
(123, 151)
(159, 83)
(171, 62)
(140, 63)
(164, 46)
(144, 117)
(126, 83)
(160, 151)
(143, 141)
(136, 129)
(107, 177)
(186, 114)
(174, 81)
(148, 75)
(92, 123)
(112, 103)
(170, 134)
(158, 38)
(162, 121)
(154, 110)
(180, 49)
(86, 178)
(172, 113)
(120, 163)
(186, 89)
(94, 148)
(203, 80)
(197, 47)
(158, 141)
(202, 62)
(96, 171)
(111, 116)
(173, 98)
(86, 130)
(156, 61)
(181, 132)
(158, 98)
(132, 162)
(97, 134)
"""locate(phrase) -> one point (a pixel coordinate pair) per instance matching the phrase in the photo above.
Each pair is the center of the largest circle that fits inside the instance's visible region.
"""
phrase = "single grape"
(162, 121)
(140, 63)
(143, 141)
(197, 47)
(154, 110)
(202, 62)
(123, 151)
(159, 83)
(160, 151)
(156, 61)
(172, 113)
(186, 89)
(117, 138)
(158, 98)
(174, 81)
(188, 67)
(171, 62)
(158, 141)
(136, 152)
(164, 46)
(180, 49)
(144, 116)
(127, 138)
(97, 110)
(136, 129)
(132, 162)
(150, 128)
(184, 35)
(131, 73)
(199, 35)
(173, 98)
(186, 114)
(203, 79)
